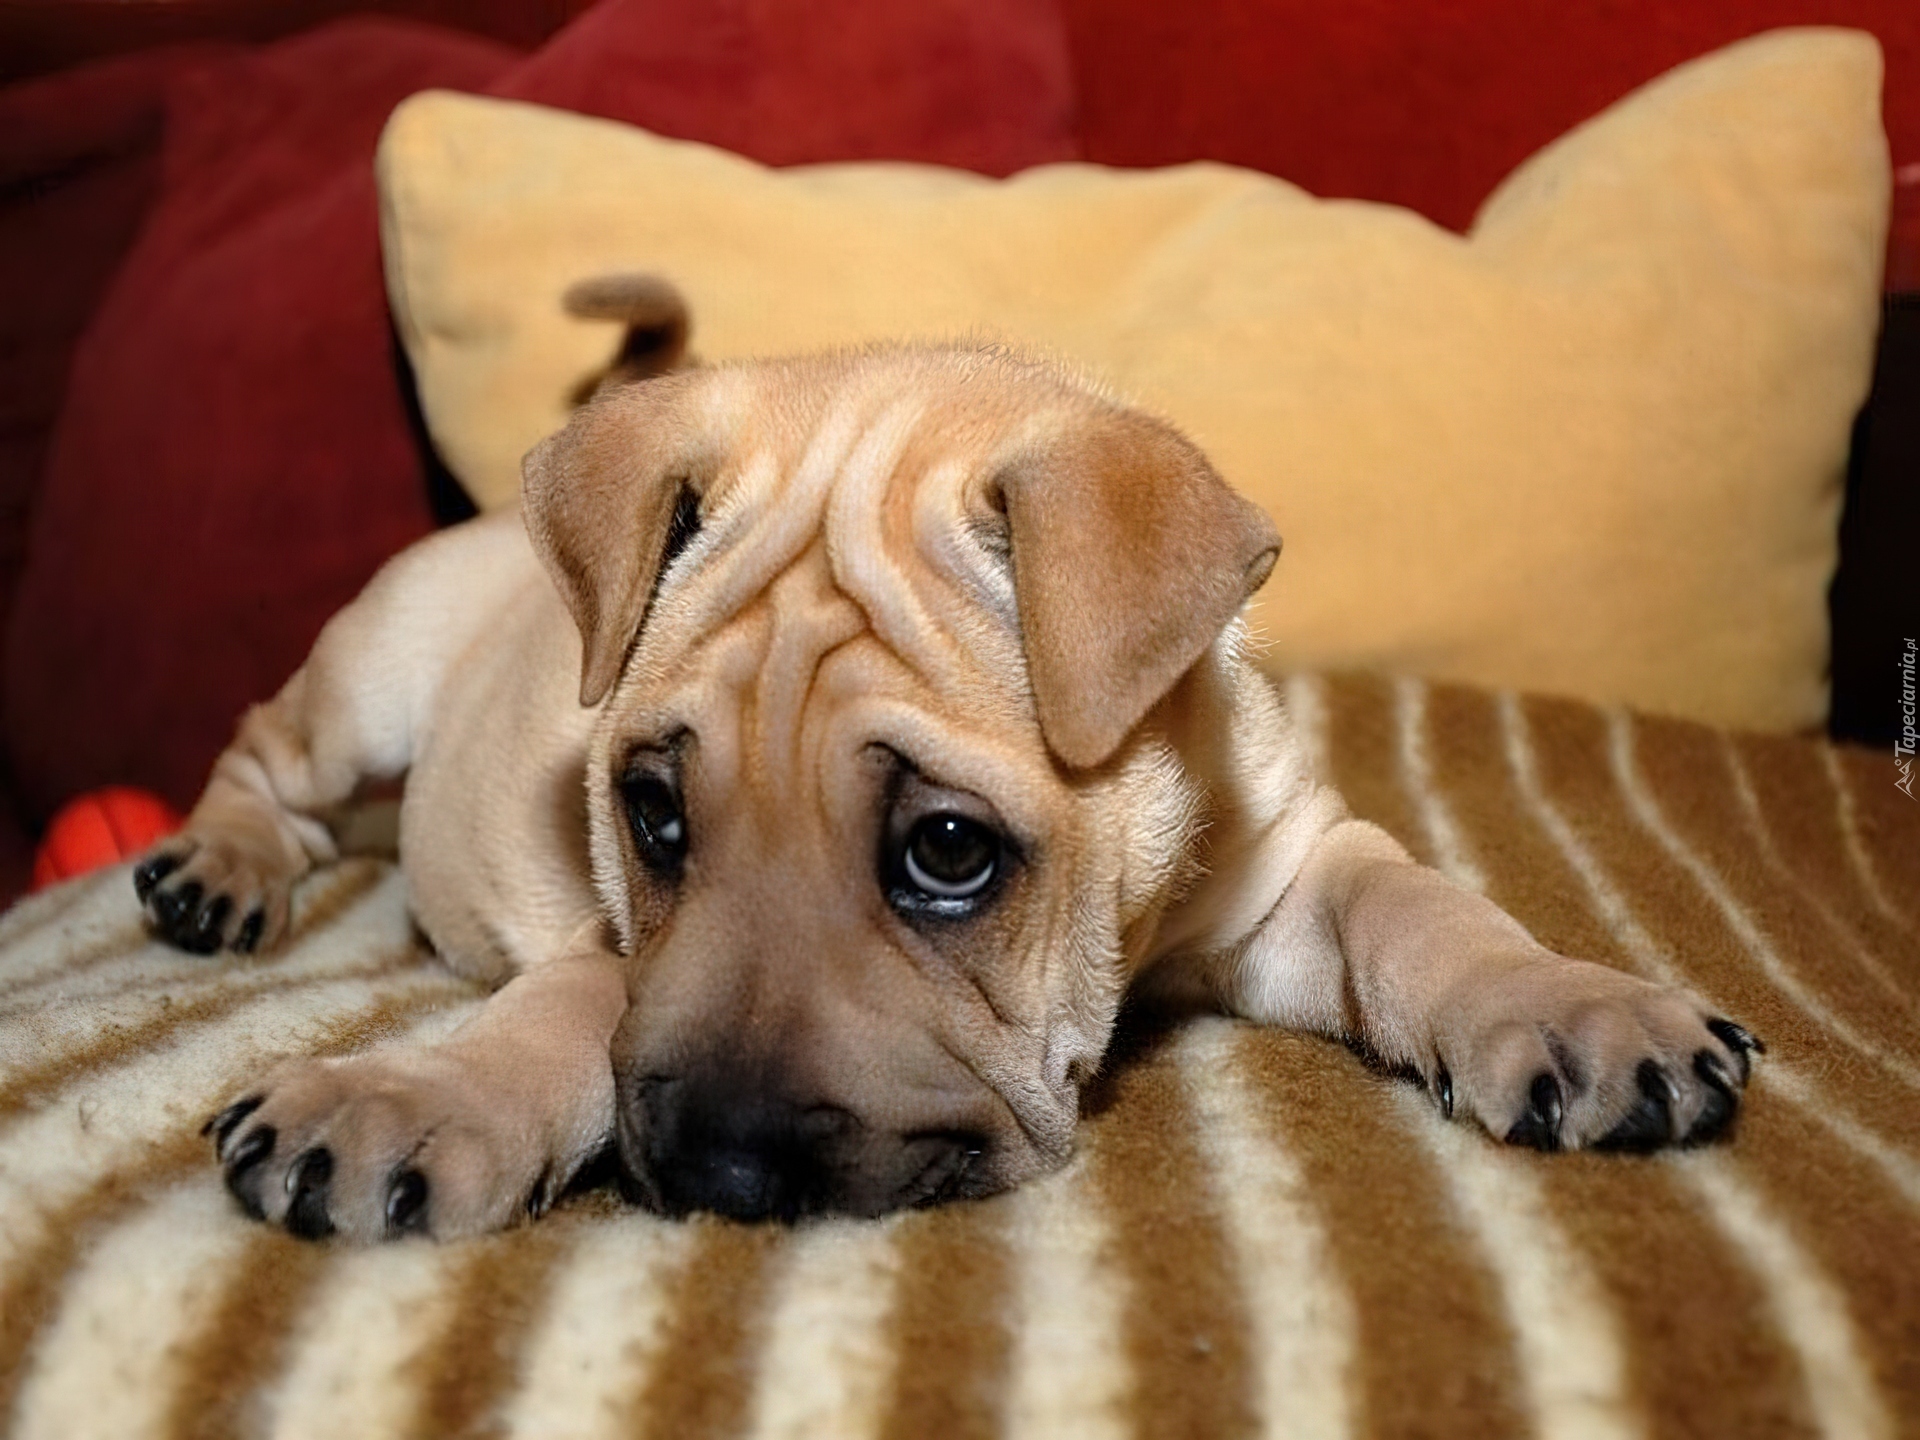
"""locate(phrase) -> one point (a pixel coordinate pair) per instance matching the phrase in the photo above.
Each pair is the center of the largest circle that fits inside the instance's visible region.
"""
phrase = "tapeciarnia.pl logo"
(1904, 746)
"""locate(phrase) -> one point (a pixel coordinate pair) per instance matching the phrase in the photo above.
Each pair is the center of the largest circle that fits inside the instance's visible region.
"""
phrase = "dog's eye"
(950, 857)
(659, 827)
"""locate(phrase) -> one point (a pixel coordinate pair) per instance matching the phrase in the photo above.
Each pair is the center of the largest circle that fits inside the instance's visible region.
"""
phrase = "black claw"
(252, 1150)
(540, 1198)
(1739, 1041)
(1721, 1104)
(150, 873)
(205, 936)
(1540, 1126)
(1649, 1125)
(242, 1165)
(223, 1125)
(250, 929)
(307, 1185)
(1443, 1089)
(1735, 1037)
(407, 1203)
(172, 908)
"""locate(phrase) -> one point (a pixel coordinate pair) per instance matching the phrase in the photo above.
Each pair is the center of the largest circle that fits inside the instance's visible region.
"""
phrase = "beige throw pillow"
(1594, 447)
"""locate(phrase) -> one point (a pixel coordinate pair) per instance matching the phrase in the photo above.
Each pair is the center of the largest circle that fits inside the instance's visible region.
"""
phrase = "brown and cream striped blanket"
(1259, 1235)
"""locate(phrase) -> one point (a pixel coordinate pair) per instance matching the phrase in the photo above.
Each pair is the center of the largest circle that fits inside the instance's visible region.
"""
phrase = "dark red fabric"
(1426, 104)
(232, 460)
(79, 164)
(980, 84)
(1903, 239)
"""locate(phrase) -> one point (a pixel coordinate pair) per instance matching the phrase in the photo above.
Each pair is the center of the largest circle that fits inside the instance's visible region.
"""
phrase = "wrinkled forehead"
(850, 497)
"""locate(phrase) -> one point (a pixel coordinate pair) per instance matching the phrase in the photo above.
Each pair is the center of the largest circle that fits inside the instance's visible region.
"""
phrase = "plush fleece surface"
(1595, 447)
(1259, 1235)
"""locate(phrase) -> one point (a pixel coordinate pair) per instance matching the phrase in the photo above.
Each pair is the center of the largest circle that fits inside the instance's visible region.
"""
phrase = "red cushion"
(79, 165)
(980, 84)
(1426, 104)
(233, 461)
(1903, 238)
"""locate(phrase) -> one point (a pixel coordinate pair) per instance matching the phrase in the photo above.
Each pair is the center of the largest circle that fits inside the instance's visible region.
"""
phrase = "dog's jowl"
(815, 762)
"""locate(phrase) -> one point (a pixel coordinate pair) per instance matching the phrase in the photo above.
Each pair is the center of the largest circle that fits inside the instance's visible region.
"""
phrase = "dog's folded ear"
(1130, 554)
(603, 501)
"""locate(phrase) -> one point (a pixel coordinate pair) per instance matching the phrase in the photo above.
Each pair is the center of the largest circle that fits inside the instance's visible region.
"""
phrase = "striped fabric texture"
(1259, 1236)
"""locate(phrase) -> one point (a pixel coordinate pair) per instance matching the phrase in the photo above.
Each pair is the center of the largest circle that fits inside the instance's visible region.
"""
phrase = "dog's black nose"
(745, 1148)
(741, 1184)
(734, 1150)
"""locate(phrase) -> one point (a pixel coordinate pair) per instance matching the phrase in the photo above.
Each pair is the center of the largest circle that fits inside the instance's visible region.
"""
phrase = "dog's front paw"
(373, 1147)
(204, 893)
(1563, 1054)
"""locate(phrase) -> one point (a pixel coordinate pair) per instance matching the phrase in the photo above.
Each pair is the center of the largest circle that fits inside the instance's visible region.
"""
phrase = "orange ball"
(101, 827)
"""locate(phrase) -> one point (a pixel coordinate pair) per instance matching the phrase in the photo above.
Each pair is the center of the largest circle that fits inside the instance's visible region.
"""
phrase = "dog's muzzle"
(748, 1149)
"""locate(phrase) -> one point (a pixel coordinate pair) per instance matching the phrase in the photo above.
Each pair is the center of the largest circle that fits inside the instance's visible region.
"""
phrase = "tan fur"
(925, 582)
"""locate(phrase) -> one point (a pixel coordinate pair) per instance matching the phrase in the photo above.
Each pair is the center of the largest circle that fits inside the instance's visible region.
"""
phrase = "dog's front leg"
(452, 1139)
(226, 878)
(1437, 980)
(354, 711)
